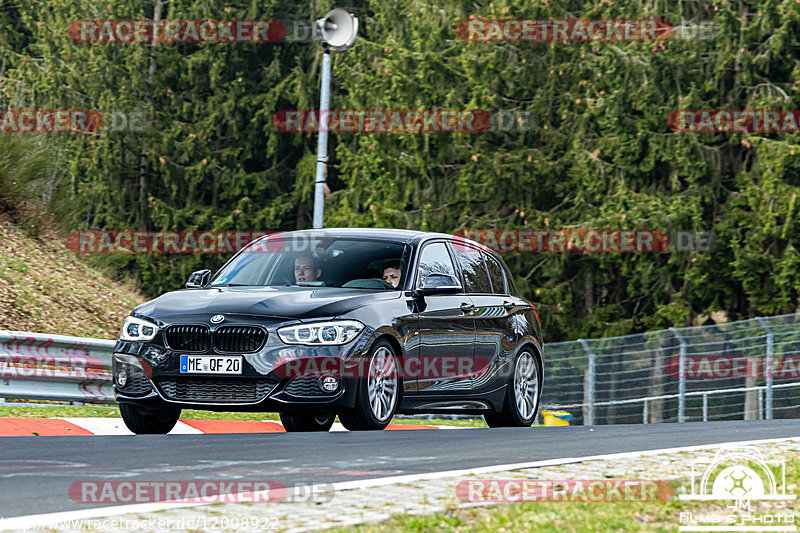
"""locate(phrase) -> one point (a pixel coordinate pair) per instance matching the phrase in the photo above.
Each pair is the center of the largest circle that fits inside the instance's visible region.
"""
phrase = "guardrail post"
(705, 407)
(681, 377)
(769, 363)
(589, 392)
(644, 412)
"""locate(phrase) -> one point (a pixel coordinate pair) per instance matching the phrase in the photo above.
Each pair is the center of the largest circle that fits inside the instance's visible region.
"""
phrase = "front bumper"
(268, 383)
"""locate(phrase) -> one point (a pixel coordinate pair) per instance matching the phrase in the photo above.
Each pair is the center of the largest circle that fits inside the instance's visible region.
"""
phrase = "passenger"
(391, 273)
(306, 268)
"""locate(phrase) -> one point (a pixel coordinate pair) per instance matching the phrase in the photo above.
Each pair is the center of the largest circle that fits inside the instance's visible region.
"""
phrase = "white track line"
(103, 426)
(115, 426)
(32, 521)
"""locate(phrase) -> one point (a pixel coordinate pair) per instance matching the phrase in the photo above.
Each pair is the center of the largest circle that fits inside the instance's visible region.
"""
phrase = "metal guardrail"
(36, 366)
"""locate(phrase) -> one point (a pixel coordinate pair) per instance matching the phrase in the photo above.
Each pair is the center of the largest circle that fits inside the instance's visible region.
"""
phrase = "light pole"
(338, 31)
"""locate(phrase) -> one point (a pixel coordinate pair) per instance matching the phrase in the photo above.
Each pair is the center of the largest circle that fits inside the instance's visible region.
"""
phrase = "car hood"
(279, 302)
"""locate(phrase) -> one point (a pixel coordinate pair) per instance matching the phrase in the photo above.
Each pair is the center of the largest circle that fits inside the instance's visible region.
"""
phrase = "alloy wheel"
(382, 384)
(526, 385)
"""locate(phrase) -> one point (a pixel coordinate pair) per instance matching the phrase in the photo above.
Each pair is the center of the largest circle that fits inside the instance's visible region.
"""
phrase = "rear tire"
(522, 395)
(151, 420)
(377, 392)
(293, 423)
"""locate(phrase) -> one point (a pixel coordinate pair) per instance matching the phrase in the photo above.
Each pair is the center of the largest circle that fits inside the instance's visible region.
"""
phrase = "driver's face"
(304, 270)
(391, 275)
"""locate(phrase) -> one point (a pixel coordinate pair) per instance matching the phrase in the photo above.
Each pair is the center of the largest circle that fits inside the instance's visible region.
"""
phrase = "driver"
(306, 268)
(391, 273)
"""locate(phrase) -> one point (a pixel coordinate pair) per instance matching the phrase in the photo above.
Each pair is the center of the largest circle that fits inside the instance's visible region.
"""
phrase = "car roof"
(389, 234)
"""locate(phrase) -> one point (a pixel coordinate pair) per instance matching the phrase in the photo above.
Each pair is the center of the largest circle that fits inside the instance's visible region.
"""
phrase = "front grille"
(305, 387)
(138, 384)
(239, 339)
(187, 338)
(216, 390)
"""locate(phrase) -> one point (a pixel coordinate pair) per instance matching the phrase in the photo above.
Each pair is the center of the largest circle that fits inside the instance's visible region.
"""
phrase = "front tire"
(377, 393)
(151, 420)
(293, 423)
(522, 395)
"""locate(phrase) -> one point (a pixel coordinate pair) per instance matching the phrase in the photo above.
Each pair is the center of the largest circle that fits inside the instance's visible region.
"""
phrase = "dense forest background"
(600, 154)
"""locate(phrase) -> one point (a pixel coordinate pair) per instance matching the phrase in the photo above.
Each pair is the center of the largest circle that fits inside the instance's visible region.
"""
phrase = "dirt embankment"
(45, 288)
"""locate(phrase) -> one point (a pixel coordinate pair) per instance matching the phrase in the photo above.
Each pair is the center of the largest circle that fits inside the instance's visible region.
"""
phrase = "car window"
(476, 278)
(434, 260)
(495, 275)
(512, 285)
(321, 261)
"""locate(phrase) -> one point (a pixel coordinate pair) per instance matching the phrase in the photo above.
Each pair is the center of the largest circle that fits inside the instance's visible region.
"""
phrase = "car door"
(494, 340)
(446, 329)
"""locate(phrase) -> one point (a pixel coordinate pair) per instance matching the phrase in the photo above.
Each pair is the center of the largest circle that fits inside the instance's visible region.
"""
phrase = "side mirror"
(436, 283)
(198, 279)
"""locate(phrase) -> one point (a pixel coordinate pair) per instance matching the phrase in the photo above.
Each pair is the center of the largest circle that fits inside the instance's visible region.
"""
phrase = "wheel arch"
(398, 352)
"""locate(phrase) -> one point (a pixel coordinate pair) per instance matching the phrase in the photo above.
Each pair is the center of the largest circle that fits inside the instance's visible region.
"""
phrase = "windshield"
(318, 262)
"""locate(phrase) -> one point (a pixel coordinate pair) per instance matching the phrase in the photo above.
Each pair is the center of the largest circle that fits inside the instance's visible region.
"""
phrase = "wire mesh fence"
(716, 372)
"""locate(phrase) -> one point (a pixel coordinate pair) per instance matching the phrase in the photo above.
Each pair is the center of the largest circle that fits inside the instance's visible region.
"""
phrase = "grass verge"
(580, 517)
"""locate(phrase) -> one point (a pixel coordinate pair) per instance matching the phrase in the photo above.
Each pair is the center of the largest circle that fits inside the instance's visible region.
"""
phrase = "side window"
(476, 278)
(512, 285)
(434, 260)
(496, 275)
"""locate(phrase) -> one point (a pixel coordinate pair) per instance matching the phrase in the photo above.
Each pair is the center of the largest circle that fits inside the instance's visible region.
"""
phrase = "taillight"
(539, 320)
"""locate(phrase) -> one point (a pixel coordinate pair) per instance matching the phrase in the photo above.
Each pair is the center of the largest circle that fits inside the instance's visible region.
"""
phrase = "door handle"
(466, 308)
(509, 305)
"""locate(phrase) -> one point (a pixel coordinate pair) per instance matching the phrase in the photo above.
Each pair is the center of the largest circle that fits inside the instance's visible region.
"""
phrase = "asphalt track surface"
(36, 472)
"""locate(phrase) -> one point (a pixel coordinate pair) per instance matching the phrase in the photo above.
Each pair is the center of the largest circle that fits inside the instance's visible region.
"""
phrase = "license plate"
(211, 364)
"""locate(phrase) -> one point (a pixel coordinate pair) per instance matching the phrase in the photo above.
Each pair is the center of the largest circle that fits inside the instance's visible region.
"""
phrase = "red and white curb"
(46, 427)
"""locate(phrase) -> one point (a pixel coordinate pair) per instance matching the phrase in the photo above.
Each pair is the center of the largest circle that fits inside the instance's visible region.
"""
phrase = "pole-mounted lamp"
(338, 31)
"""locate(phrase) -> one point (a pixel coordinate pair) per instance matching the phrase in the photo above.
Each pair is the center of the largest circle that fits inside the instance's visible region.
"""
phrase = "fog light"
(328, 383)
(122, 378)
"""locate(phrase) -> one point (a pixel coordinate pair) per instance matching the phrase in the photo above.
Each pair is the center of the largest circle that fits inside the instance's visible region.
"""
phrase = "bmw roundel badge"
(216, 319)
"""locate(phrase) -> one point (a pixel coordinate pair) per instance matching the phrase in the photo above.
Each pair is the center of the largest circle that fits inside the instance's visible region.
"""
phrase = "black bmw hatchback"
(359, 323)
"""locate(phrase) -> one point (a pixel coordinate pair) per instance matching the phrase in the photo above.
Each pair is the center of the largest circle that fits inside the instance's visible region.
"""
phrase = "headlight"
(321, 333)
(136, 329)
